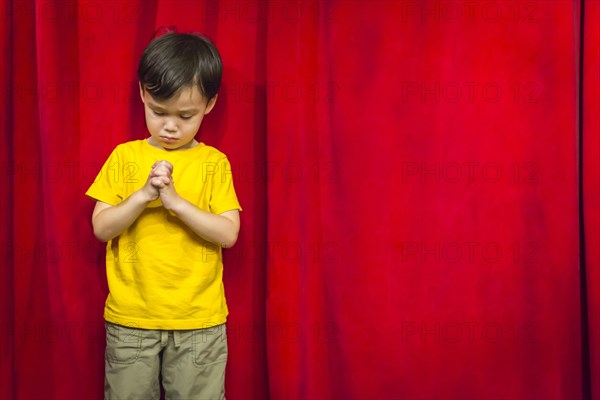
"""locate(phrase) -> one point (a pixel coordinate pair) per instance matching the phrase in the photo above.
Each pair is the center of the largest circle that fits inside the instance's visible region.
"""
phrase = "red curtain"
(419, 182)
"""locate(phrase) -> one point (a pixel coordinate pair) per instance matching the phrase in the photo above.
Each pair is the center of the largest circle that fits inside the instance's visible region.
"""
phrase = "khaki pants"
(191, 363)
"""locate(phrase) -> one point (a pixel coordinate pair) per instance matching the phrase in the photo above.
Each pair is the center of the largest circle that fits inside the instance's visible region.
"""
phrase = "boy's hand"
(149, 190)
(161, 174)
(162, 180)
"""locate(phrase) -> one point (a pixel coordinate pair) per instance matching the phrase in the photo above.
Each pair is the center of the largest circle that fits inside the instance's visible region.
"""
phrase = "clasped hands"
(160, 184)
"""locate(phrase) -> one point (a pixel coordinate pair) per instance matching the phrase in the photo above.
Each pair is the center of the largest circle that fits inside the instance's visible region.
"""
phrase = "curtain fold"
(590, 168)
(416, 203)
(7, 373)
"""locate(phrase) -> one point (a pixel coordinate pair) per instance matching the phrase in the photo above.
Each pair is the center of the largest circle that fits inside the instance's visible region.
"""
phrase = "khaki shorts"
(191, 363)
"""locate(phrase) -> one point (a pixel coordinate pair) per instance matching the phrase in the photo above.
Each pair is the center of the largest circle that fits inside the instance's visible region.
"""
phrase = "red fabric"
(591, 190)
(409, 173)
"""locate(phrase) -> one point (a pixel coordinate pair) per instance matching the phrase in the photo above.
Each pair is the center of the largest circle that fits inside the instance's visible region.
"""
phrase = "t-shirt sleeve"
(107, 187)
(223, 197)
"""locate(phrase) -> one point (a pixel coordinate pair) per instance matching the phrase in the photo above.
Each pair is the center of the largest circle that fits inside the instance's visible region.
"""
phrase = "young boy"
(166, 206)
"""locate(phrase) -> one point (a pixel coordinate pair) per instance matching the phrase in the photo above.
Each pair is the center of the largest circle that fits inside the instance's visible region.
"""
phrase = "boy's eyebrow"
(186, 110)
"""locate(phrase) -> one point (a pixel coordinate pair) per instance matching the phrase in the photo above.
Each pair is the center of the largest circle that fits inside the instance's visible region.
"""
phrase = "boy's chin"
(171, 144)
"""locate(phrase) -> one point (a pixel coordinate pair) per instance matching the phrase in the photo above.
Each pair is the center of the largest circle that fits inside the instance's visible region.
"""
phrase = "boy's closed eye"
(160, 114)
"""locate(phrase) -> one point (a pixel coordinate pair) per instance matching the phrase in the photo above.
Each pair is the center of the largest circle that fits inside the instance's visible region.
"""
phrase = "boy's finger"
(161, 169)
(162, 162)
(166, 164)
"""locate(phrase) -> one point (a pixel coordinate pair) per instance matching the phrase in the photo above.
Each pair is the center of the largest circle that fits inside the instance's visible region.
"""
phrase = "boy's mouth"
(168, 139)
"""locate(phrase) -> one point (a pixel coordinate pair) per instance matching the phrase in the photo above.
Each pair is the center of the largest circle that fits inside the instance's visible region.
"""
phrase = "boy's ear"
(141, 92)
(211, 104)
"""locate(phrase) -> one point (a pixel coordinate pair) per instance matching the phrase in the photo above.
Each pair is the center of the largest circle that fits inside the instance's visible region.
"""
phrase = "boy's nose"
(170, 125)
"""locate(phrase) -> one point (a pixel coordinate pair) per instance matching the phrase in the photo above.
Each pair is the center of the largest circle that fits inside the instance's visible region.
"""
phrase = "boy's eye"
(186, 116)
(158, 113)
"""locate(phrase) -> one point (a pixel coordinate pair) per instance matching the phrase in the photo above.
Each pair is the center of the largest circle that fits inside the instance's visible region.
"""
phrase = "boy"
(166, 206)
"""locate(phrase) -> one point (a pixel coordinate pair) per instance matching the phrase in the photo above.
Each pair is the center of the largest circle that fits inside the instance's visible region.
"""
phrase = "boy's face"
(173, 123)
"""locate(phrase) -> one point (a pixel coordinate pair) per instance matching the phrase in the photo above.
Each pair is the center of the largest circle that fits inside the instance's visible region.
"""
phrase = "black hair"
(177, 60)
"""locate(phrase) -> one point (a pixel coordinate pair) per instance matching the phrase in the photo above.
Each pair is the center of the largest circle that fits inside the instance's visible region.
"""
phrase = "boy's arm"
(221, 229)
(110, 221)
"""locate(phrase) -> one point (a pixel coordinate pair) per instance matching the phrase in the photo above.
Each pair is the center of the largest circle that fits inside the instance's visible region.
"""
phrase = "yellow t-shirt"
(161, 275)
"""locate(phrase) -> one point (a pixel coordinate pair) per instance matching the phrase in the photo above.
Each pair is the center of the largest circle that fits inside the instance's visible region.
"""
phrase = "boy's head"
(179, 77)
(176, 60)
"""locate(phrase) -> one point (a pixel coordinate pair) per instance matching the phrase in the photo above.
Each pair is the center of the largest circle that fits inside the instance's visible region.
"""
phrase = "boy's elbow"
(230, 240)
(229, 243)
(101, 234)
(101, 237)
